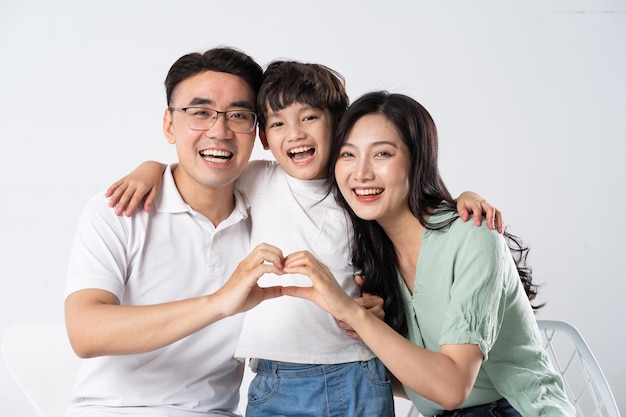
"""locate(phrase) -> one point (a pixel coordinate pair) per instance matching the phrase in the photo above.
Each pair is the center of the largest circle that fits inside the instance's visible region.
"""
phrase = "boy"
(322, 371)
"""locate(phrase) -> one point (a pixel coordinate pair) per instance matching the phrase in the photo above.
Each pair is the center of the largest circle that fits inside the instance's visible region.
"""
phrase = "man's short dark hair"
(228, 60)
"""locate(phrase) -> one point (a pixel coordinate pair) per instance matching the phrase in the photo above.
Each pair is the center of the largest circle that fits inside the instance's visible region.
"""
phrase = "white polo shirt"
(171, 253)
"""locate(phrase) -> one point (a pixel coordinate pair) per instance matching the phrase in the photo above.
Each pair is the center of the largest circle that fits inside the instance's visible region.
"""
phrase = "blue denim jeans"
(500, 408)
(354, 389)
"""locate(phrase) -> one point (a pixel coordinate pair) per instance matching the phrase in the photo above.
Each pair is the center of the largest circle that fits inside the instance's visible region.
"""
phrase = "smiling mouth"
(216, 156)
(302, 153)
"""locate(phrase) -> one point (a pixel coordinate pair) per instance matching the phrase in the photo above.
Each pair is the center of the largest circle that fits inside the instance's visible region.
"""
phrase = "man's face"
(211, 158)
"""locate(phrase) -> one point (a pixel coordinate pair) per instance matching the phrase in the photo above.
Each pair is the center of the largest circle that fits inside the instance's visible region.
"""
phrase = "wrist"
(355, 315)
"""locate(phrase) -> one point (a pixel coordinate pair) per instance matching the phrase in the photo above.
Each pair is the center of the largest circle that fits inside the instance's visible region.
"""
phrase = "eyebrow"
(377, 143)
(273, 113)
(304, 108)
(203, 100)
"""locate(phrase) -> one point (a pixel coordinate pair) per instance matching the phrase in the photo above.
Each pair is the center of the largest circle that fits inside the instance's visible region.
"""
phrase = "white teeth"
(300, 149)
(214, 152)
(368, 191)
(216, 156)
(215, 160)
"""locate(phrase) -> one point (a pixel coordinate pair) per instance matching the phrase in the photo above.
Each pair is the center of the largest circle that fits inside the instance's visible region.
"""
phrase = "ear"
(263, 139)
(168, 127)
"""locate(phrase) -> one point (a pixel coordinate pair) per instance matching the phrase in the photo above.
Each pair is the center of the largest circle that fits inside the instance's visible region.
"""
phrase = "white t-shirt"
(296, 215)
(172, 253)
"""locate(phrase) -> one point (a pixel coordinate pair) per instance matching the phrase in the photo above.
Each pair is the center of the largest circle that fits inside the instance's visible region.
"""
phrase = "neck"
(215, 203)
(405, 232)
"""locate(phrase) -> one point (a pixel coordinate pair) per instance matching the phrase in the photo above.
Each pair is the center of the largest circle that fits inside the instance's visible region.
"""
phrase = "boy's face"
(211, 158)
(299, 137)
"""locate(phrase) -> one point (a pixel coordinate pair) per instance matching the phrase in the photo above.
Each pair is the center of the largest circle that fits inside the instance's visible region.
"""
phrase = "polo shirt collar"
(169, 199)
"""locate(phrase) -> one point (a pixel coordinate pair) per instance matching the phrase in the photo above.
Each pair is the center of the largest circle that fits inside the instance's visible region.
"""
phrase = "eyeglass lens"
(202, 118)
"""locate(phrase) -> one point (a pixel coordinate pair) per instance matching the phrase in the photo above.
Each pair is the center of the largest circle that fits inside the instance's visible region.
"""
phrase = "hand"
(470, 202)
(325, 292)
(241, 292)
(372, 303)
(126, 194)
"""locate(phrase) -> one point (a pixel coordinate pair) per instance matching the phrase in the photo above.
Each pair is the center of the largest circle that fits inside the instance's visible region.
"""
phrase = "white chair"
(585, 384)
(413, 412)
(41, 360)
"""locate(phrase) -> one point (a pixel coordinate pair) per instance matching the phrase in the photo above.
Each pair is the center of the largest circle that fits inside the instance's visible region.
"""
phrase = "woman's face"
(372, 170)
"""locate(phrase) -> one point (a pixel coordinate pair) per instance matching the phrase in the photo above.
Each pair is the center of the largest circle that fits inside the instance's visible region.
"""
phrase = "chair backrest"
(585, 384)
(41, 360)
(413, 412)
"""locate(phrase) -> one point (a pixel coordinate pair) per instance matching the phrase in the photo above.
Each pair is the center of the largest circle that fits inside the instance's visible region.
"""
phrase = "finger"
(368, 301)
(358, 279)
(124, 200)
(478, 213)
(343, 325)
(255, 268)
(374, 305)
(352, 334)
(499, 222)
(297, 258)
(299, 292)
(133, 203)
(264, 254)
(306, 270)
(490, 213)
(150, 200)
(272, 257)
(109, 192)
(114, 195)
(464, 213)
(301, 262)
(349, 330)
(271, 292)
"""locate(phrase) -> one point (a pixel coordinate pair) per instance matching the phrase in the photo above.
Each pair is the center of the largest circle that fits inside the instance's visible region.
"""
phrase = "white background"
(529, 98)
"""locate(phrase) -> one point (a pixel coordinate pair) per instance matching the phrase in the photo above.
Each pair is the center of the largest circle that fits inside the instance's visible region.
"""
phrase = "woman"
(463, 336)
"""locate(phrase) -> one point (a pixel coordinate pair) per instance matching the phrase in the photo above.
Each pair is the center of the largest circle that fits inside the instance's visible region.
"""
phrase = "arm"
(144, 181)
(98, 325)
(372, 303)
(445, 377)
(470, 202)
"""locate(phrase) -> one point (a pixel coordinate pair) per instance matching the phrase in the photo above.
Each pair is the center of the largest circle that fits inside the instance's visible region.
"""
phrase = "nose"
(294, 133)
(363, 170)
(220, 129)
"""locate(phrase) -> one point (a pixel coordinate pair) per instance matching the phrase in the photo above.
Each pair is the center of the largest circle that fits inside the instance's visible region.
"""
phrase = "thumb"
(271, 292)
(299, 292)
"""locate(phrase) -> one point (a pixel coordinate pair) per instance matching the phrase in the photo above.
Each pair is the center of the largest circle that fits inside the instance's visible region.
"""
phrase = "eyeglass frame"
(184, 109)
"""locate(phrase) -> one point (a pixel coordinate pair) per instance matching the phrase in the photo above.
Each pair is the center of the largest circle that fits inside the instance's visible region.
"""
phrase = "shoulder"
(98, 215)
(98, 204)
(257, 167)
(480, 237)
(256, 172)
(465, 234)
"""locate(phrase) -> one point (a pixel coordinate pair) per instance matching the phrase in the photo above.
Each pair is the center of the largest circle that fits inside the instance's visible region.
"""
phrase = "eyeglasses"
(203, 118)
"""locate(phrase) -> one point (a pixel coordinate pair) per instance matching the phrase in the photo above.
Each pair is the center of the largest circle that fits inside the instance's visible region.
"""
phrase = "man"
(153, 299)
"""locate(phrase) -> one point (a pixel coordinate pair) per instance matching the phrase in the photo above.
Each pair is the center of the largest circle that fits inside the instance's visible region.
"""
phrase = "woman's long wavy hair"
(373, 252)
